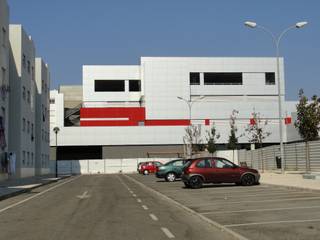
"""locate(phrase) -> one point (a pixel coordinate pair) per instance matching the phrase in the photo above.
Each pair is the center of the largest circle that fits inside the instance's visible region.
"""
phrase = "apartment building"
(4, 87)
(22, 101)
(42, 130)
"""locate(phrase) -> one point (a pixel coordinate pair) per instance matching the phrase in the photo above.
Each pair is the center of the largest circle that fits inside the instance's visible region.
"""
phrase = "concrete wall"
(42, 117)
(22, 82)
(4, 82)
(72, 95)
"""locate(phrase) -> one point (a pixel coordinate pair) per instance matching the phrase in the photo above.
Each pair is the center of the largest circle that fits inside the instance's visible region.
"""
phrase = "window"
(28, 127)
(23, 157)
(32, 159)
(32, 73)
(24, 93)
(4, 37)
(23, 124)
(134, 85)
(52, 101)
(28, 158)
(29, 66)
(109, 85)
(205, 163)
(3, 77)
(178, 163)
(24, 61)
(270, 78)
(222, 78)
(222, 163)
(28, 97)
(194, 78)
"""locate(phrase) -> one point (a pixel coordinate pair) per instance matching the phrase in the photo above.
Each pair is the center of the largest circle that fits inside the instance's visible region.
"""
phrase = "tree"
(233, 138)
(308, 117)
(256, 129)
(192, 140)
(212, 137)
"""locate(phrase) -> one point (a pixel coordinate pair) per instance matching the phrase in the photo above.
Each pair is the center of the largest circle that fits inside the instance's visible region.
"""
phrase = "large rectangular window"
(223, 78)
(270, 78)
(194, 78)
(134, 85)
(109, 86)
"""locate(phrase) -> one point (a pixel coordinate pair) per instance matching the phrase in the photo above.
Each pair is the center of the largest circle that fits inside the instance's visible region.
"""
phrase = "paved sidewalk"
(13, 187)
(294, 180)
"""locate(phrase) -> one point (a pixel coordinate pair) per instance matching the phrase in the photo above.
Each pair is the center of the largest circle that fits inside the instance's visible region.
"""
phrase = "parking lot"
(256, 212)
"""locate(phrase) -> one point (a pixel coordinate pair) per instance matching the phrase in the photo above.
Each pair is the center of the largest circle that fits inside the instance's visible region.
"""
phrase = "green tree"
(212, 137)
(233, 138)
(308, 117)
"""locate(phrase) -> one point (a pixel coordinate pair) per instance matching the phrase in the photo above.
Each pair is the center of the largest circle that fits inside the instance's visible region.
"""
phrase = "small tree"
(212, 137)
(308, 117)
(233, 138)
(192, 139)
(256, 129)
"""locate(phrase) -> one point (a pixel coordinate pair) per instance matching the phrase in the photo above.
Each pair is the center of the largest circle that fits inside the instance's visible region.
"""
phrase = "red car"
(149, 167)
(217, 170)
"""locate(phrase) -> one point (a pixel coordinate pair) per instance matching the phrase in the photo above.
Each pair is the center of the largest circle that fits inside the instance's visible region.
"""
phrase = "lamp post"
(277, 40)
(190, 103)
(56, 131)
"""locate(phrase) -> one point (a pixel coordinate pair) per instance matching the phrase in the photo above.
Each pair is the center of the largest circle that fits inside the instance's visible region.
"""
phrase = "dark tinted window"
(134, 85)
(270, 78)
(194, 78)
(205, 163)
(222, 78)
(109, 85)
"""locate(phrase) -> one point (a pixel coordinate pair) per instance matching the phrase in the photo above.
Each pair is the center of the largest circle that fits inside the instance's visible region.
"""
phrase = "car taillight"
(186, 170)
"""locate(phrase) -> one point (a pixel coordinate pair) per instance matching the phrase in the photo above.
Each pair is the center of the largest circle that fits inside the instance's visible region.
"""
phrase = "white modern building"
(135, 111)
(22, 101)
(42, 130)
(4, 87)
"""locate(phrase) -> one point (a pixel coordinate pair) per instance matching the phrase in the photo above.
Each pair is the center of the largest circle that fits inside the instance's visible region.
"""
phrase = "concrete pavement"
(12, 187)
(290, 180)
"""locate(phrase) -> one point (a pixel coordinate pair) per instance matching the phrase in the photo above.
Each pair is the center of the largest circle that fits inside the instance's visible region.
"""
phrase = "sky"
(71, 33)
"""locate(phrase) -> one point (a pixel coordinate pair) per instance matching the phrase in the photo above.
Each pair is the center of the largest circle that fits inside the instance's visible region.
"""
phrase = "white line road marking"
(38, 194)
(134, 195)
(145, 207)
(139, 200)
(274, 222)
(258, 201)
(154, 217)
(167, 232)
(259, 210)
(84, 195)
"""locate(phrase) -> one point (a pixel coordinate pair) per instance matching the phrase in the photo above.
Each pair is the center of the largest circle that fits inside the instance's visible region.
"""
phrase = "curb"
(21, 191)
(292, 187)
(190, 211)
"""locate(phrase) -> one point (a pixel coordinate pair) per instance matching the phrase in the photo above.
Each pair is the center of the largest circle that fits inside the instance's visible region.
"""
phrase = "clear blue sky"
(71, 33)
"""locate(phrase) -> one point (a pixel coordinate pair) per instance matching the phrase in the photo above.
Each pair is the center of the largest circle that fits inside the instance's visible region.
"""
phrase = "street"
(98, 207)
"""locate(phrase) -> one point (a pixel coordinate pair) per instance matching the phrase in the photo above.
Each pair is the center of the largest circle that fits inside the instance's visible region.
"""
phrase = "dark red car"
(149, 167)
(217, 170)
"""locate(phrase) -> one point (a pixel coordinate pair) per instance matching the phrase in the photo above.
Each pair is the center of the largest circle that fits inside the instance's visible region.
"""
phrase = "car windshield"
(170, 162)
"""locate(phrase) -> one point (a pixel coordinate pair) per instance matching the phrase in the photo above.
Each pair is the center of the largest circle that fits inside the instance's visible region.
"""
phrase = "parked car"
(217, 170)
(149, 167)
(171, 170)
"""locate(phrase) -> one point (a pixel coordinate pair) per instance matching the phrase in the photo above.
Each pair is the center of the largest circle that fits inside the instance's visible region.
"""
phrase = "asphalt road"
(261, 212)
(98, 207)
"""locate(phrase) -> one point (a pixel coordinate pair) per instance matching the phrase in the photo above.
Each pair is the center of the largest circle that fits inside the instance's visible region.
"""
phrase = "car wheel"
(187, 185)
(248, 180)
(196, 182)
(145, 172)
(171, 177)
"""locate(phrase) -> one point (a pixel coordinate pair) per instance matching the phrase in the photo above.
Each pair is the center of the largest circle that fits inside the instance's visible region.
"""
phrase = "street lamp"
(56, 131)
(276, 40)
(190, 103)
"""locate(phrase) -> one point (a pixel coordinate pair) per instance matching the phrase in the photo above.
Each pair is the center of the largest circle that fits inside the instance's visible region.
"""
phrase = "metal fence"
(297, 157)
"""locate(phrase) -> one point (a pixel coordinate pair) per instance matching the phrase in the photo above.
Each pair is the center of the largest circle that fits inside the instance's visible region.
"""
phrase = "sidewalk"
(13, 187)
(291, 180)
